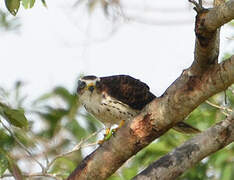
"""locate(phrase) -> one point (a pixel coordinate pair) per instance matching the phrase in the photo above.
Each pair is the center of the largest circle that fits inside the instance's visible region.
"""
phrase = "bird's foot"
(109, 132)
(113, 131)
(107, 136)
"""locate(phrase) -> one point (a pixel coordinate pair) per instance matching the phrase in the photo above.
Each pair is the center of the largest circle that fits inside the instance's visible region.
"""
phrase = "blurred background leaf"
(8, 22)
(3, 162)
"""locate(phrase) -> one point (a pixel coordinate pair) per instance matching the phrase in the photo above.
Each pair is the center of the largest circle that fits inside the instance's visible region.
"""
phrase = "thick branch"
(208, 22)
(154, 120)
(172, 165)
(219, 16)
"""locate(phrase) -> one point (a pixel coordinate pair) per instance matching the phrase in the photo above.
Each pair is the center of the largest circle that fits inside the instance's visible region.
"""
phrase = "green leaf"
(59, 91)
(14, 169)
(24, 138)
(6, 141)
(53, 117)
(43, 98)
(28, 3)
(75, 129)
(7, 162)
(12, 6)
(63, 166)
(64, 94)
(44, 3)
(17, 118)
(14, 116)
(3, 162)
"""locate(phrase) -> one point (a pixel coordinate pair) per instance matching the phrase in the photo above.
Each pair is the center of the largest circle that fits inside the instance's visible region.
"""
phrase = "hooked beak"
(91, 88)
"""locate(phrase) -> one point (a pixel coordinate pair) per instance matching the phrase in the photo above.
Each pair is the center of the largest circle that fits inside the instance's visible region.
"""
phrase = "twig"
(22, 146)
(230, 38)
(225, 97)
(76, 148)
(47, 160)
(220, 107)
(33, 175)
(198, 6)
(156, 22)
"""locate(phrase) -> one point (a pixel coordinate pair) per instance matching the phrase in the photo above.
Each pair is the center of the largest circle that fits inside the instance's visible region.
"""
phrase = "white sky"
(57, 44)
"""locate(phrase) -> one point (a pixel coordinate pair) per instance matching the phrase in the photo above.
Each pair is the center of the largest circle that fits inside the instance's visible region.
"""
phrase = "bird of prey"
(115, 99)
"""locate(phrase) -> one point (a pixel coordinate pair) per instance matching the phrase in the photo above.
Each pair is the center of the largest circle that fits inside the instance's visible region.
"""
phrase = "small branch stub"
(198, 6)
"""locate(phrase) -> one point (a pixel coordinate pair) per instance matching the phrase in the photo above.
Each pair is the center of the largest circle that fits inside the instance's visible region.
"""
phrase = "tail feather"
(186, 128)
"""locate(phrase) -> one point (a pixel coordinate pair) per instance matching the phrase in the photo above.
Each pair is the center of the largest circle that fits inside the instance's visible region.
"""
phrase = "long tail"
(186, 128)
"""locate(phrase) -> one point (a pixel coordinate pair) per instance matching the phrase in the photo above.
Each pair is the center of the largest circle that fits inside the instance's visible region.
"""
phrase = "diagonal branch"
(154, 120)
(173, 164)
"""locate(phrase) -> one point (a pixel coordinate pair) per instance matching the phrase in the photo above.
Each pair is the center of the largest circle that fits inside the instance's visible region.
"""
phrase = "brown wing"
(128, 90)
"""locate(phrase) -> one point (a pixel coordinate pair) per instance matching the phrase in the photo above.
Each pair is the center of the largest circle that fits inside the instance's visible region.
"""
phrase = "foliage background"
(54, 123)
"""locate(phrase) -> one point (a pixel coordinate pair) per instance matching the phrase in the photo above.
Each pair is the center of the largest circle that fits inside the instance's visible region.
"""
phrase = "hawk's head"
(88, 84)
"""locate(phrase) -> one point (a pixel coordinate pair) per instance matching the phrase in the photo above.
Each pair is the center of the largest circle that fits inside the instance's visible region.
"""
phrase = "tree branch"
(208, 22)
(159, 116)
(173, 164)
(219, 16)
(202, 80)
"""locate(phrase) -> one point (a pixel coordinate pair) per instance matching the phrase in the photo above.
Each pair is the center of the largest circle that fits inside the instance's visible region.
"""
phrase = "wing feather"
(128, 90)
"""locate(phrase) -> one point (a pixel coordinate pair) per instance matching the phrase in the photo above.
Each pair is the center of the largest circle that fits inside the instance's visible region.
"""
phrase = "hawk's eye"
(81, 85)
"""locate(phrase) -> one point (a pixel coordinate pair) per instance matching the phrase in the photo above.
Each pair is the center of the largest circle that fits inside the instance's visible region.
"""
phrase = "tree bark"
(191, 152)
(202, 80)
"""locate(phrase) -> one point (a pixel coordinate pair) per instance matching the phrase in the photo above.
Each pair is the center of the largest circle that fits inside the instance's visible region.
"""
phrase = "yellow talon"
(106, 136)
(120, 125)
(107, 132)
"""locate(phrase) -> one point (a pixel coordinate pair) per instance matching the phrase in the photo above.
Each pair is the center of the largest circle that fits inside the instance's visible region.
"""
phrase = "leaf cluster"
(49, 126)
(14, 5)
